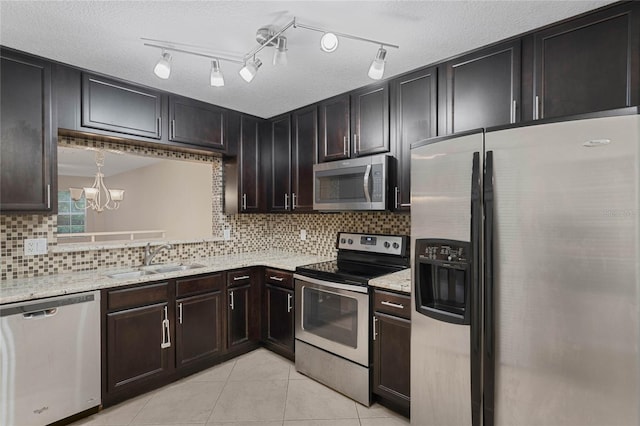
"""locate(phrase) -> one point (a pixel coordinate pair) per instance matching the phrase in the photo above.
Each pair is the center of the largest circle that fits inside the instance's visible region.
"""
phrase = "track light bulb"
(329, 42)
(163, 67)
(217, 79)
(250, 69)
(280, 55)
(376, 70)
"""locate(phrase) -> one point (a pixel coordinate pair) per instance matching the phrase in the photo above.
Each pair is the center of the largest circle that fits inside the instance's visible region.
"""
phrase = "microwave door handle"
(367, 193)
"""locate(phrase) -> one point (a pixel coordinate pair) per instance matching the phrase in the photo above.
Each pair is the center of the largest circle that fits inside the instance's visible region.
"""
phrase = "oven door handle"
(348, 287)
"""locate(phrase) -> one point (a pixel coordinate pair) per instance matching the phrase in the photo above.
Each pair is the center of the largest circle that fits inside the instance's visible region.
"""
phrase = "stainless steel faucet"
(150, 254)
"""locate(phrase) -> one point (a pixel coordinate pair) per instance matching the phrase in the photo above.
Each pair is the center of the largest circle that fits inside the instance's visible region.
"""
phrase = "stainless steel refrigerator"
(526, 275)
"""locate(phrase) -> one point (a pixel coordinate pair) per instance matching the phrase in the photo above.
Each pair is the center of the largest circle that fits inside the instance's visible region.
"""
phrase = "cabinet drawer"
(137, 296)
(203, 284)
(279, 278)
(238, 277)
(392, 303)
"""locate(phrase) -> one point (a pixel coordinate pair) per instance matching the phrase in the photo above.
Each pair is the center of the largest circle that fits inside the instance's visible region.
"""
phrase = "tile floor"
(258, 388)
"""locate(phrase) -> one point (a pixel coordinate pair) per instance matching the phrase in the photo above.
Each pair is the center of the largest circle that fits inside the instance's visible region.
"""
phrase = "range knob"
(386, 244)
(350, 241)
(396, 245)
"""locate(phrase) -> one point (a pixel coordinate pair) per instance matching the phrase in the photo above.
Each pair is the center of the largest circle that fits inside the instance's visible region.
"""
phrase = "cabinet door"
(414, 105)
(483, 88)
(391, 358)
(280, 165)
(249, 158)
(135, 352)
(305, 141)
(280, 317)
(27, 146)
(198, 328)
(196, 123)
(238, 312)
(120, 107)
(334, 129)
(588, 64)
(370, 120)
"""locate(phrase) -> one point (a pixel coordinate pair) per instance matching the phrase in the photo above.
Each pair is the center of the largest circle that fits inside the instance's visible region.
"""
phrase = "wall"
(249, 232)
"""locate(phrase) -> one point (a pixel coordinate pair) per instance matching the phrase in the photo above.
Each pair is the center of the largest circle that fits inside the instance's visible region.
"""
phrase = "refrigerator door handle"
(489, 330)
(476, 319)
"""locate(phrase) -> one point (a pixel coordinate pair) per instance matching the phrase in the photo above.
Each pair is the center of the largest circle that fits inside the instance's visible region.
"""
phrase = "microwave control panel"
(377, 176)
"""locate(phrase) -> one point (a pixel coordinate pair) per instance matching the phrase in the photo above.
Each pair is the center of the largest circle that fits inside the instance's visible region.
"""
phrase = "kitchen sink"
(131, 274)
(160, 269)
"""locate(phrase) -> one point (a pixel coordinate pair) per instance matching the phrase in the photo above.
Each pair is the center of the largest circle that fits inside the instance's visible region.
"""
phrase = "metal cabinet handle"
(344, 146)
(293, 201)
(159, 124)
(289, 302)
(393, 305)
(536, 109)
(48, 196)
(166, 332)
(244, 277)
(232, 304)
(355, 144)
(286, 201)
(397, 204)
(276, 278)
(244, 201)
(180, 313)
(375, 333)
(514, 105)
(173, 129)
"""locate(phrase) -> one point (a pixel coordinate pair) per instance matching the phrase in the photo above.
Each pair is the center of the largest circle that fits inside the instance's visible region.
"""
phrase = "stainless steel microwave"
(356, 184)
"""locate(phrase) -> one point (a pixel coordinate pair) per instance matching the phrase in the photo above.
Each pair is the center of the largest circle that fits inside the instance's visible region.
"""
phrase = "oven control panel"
(387, 244)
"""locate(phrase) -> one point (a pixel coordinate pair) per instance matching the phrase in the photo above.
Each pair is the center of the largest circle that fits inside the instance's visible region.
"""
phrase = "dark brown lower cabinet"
(392, 350)
(243, 310)
(137, 341)
(279, 319)
(198, 328)
(238, 315)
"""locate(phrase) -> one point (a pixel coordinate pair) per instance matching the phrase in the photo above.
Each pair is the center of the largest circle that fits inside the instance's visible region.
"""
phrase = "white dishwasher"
(49, 358)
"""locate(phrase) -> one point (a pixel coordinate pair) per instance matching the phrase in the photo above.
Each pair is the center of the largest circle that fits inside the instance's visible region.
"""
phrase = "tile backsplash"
(249, 232)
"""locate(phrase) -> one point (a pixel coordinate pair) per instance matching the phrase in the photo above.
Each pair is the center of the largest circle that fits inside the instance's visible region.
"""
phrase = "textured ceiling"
(105, 36)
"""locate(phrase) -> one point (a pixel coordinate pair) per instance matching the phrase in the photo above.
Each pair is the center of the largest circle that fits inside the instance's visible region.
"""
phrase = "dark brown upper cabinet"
(244, 187)
(196, 123)
(588, 64)
(120, 107)
(280, 173)
(483, 88)
(303, 157)
(370, 120)
(27, 141)
(335, 130)
(414, 108)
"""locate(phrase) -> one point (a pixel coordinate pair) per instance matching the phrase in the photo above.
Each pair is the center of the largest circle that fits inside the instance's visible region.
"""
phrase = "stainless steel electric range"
(333, 318)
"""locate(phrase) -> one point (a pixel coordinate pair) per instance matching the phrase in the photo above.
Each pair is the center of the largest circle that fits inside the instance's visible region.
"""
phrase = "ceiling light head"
(376, 70)
(329, 42)
(163, 67)
(280, 55)
(217, 79)
(250, 69)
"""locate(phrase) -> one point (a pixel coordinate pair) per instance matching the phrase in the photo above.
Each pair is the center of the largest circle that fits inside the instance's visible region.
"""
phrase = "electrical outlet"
(35, 246)
(303, 234)
(226, 234)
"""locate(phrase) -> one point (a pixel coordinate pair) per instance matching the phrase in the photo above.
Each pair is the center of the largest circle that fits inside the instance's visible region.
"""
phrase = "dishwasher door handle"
(41, 314)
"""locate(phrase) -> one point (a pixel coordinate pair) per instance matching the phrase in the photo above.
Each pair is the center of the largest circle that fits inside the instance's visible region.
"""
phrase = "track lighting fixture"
(267, 36)
(280, 54)
(163, 67)
(376, 70)
(250, 69)
(329, 42)
(217, 79)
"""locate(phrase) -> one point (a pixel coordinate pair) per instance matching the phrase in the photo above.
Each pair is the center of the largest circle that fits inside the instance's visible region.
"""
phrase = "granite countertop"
(17, 290)
(399, 281)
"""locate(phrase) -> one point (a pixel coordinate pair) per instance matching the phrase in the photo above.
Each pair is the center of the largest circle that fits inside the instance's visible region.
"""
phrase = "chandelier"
(267, 36)
(98, 196)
